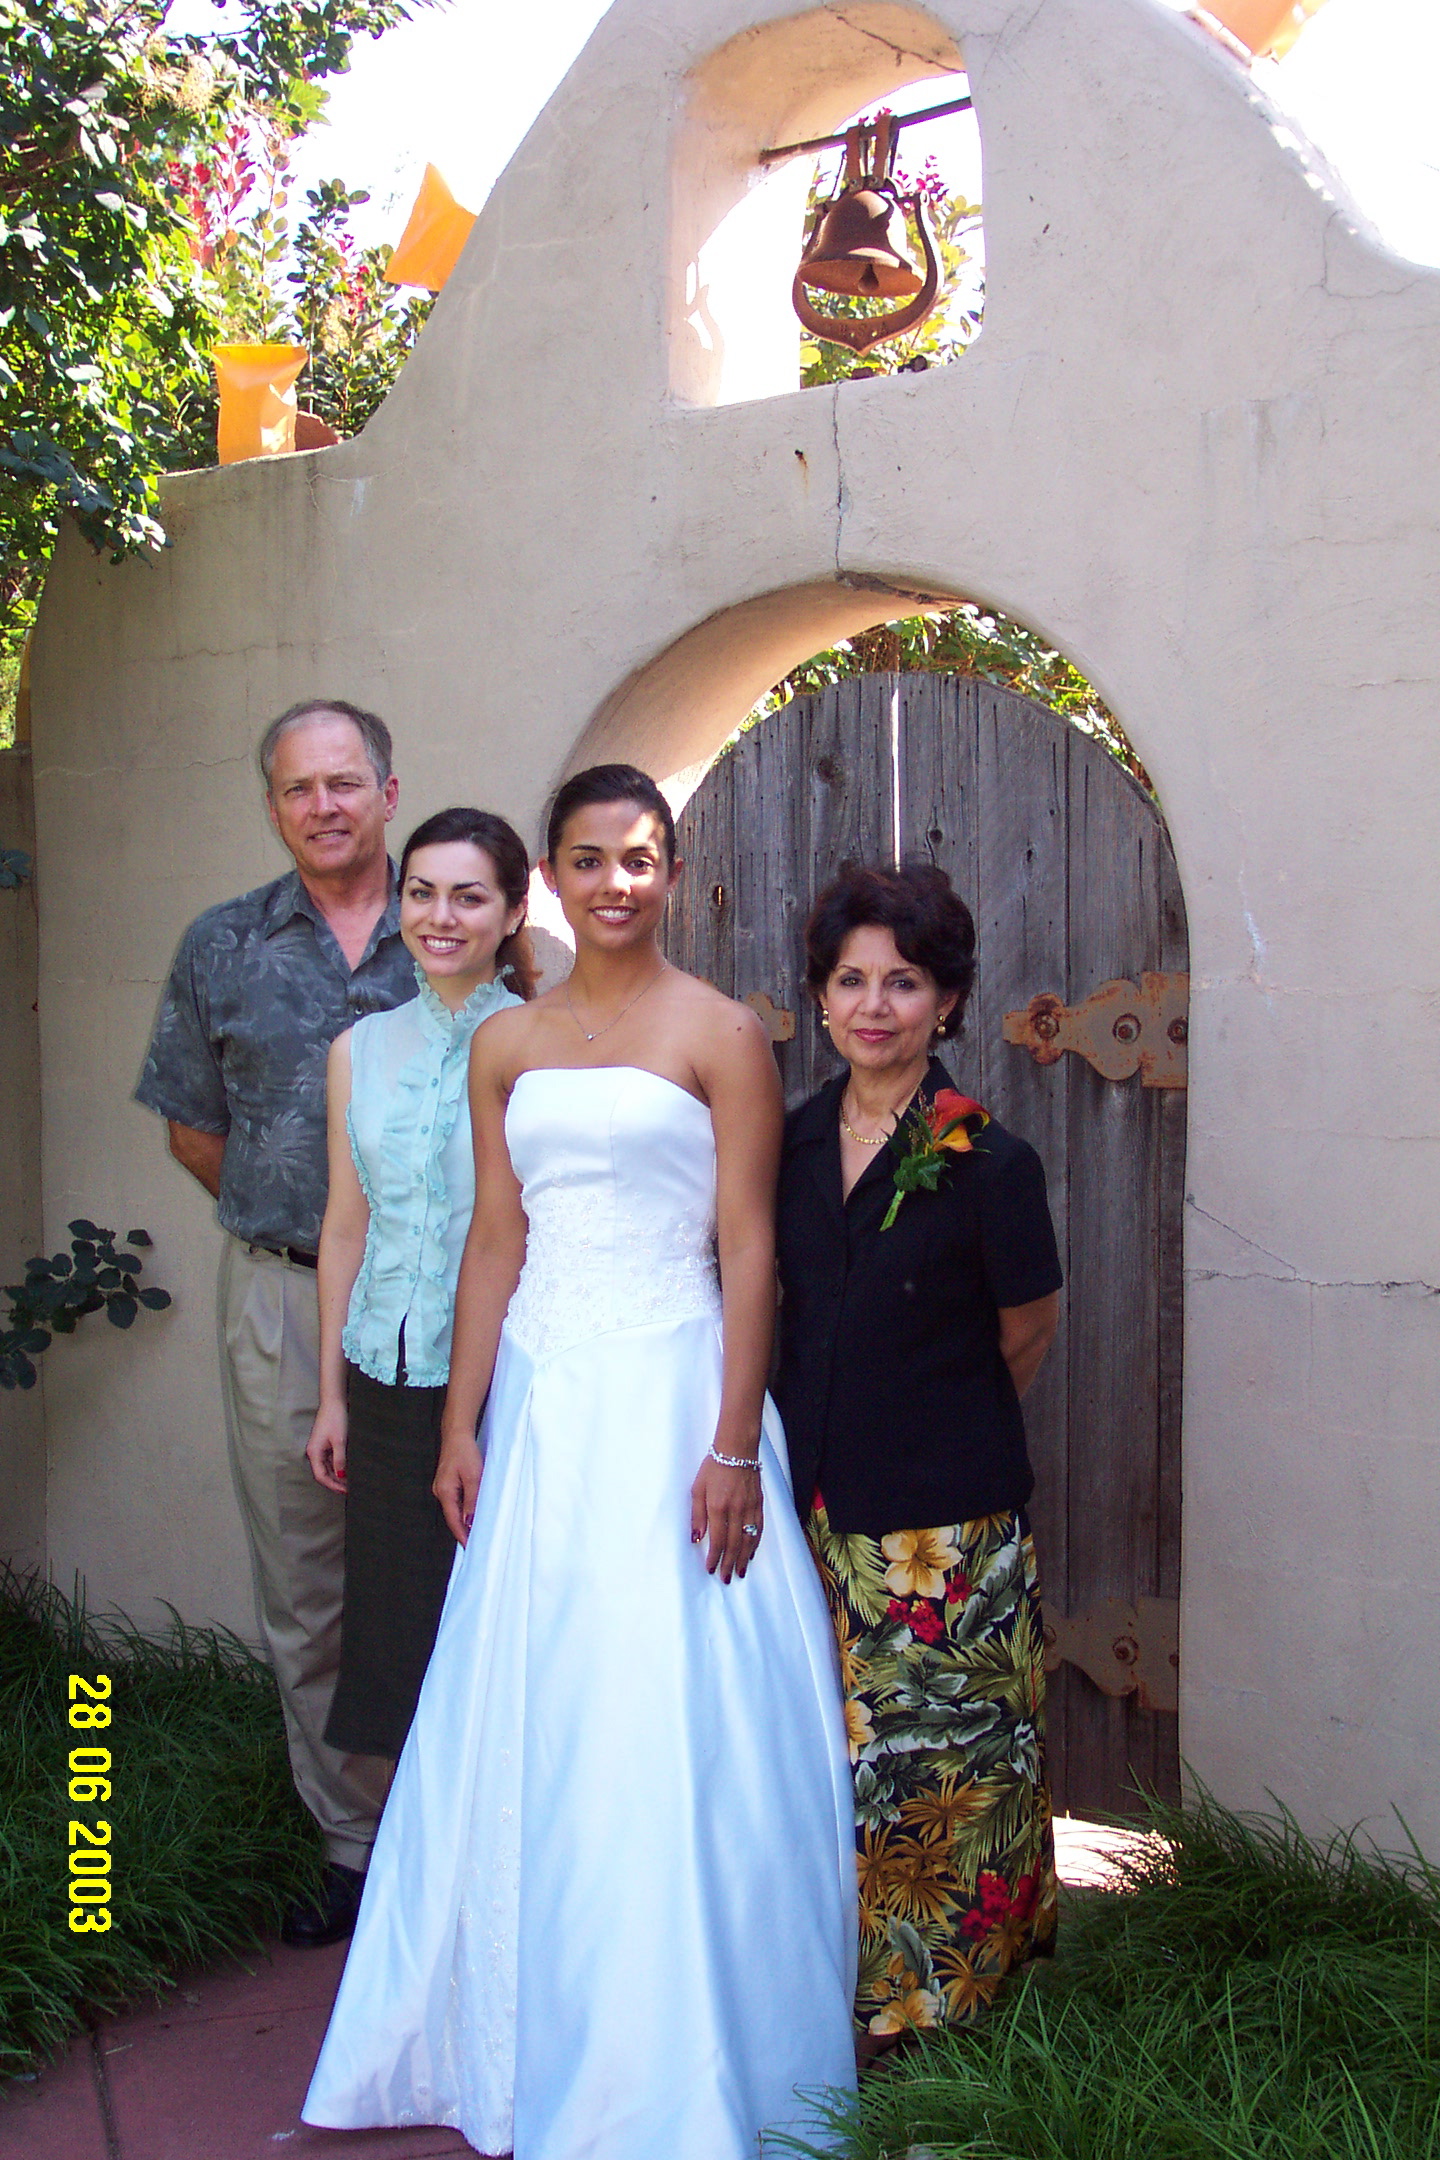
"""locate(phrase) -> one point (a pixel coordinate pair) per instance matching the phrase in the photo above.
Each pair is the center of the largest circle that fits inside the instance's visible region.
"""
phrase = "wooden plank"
(850, 778)
(939, 778)
(698, 932)
(939, 810)
(845, 806)
(770, 903)
(1170, 1226)
(1115, 848)
(1022, 923)
(941, 822)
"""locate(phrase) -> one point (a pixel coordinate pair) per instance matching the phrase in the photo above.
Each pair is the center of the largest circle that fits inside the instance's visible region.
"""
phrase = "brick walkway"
(218, 2071)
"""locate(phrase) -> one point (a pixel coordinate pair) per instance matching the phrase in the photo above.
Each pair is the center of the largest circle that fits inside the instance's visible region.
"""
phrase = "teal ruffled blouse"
(409, 1125)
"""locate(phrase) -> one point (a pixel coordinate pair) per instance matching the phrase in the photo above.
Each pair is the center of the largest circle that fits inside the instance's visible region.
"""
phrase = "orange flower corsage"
(932, 1132)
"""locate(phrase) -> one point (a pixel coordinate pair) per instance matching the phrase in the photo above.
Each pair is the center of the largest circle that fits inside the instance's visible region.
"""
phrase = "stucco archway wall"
(1195, 444)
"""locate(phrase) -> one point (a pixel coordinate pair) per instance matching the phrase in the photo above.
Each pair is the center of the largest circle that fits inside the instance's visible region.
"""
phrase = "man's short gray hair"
(373, 732)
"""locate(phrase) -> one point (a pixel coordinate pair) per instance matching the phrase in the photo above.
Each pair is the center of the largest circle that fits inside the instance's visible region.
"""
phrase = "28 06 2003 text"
(89, 1843)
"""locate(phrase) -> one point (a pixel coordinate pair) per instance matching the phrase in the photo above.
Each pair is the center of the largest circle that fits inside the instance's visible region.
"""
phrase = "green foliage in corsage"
(932, 1133)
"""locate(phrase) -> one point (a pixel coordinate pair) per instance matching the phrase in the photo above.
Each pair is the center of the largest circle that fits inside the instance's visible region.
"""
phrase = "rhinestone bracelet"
(733, 1462)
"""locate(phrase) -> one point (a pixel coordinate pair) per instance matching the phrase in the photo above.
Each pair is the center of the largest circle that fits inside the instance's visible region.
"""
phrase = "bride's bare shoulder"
(506, 1042)
(702, 1001)
(725, 1034)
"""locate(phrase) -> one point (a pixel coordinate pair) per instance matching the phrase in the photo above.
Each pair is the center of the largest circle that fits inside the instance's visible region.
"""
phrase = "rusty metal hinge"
(1119, 1029)
(777, 1021)
(1124, 1646)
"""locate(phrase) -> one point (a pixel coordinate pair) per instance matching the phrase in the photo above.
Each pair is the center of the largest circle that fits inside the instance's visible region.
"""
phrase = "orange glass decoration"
(1265, 26)
(436, 231)
(257, 399)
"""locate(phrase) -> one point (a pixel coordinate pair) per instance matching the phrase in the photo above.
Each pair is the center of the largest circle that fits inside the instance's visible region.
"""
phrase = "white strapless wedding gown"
(611, 1909)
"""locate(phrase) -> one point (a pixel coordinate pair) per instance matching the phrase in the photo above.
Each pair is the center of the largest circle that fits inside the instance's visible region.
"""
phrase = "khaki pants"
(269, 1372)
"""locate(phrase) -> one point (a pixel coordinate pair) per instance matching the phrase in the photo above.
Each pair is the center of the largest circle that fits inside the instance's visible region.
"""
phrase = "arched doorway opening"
(1066, 862)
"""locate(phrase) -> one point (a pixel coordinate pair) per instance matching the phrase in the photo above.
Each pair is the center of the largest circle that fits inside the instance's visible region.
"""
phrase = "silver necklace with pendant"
(661, 970)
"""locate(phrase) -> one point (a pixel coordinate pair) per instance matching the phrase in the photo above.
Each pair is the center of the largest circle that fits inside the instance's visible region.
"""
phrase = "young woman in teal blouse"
(402, 1188)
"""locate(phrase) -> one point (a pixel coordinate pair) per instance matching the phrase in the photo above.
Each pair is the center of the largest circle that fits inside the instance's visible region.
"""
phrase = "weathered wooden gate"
(1068, 868)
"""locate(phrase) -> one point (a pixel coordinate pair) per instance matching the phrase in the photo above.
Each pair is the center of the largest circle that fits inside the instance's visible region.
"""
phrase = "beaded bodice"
(617, 1167)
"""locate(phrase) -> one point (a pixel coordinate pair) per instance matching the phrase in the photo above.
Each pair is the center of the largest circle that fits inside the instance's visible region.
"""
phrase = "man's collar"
(389, 923)
(288, 897)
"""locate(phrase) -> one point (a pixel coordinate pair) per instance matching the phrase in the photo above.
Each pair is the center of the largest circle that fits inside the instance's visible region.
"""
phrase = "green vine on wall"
(57, 1293)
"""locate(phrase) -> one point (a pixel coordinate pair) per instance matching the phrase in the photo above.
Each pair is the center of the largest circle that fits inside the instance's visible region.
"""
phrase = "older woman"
(920, 1281)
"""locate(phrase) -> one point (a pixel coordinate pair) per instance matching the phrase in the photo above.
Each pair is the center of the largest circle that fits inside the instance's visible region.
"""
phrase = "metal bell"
(860, 247)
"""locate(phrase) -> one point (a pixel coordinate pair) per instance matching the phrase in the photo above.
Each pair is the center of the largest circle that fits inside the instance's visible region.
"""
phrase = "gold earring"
(824, 1017)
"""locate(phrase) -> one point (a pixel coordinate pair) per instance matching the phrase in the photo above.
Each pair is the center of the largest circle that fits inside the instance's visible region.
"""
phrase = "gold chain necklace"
(664, 965)
(859, 1138)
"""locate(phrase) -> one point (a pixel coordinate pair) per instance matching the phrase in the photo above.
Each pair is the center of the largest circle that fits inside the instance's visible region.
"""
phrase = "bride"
(610, 1913)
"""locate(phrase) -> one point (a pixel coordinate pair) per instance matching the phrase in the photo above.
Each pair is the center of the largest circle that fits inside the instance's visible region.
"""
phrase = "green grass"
(1254, 1996)
(209, 1842)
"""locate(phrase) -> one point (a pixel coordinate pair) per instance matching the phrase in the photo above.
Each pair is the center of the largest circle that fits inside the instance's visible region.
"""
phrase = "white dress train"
(611, 1909)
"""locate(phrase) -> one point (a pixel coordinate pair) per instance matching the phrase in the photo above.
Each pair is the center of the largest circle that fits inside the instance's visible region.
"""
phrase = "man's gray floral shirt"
(259, 991)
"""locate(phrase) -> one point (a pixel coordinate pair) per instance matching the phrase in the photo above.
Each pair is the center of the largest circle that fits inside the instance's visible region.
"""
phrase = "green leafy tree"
(106, 314)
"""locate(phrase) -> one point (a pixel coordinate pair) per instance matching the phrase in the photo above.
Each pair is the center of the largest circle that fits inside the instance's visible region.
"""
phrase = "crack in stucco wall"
(1307, 1282)
(1293, 1274)
(901, 52)
(839, 472)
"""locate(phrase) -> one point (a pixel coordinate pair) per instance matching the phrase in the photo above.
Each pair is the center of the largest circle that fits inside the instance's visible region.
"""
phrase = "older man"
(260, 988)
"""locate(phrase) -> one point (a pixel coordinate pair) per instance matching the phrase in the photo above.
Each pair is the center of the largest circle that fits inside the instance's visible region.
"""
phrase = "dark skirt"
(942, 1652)
(398, 1557)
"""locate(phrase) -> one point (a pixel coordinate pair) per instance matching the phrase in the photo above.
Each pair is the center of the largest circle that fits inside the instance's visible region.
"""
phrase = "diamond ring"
(751, 1529)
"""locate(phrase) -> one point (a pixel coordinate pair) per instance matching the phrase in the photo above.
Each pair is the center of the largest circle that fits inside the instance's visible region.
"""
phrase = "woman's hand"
(325, 1449)
(457, 1482)
(730, 1505)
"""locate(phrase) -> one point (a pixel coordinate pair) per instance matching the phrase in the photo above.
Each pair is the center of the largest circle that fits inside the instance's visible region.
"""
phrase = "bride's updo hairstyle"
(931, 925)
(506, 850)
(608, 784)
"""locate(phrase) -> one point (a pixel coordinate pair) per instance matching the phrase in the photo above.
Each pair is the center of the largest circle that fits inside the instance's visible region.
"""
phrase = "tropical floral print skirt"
(942, 1655)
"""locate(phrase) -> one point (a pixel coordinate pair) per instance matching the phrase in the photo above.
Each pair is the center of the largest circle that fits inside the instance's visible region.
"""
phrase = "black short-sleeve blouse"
(896, 1400)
